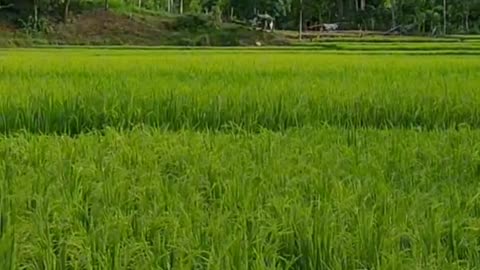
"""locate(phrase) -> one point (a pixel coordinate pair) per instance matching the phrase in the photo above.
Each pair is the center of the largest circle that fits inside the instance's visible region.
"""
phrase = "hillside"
(100, 27)
(142, 27)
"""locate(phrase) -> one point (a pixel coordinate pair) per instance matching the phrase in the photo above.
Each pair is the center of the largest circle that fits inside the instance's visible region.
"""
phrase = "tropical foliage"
(424, 16)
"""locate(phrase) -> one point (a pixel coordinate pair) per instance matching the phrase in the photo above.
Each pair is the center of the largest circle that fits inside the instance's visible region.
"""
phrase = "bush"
(474, 30)
(193, 22)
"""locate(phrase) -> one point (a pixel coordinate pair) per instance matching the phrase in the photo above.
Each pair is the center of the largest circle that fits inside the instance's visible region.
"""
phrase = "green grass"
(239, 159)
(307, 199)
(330, 45)
(382, 39)
(465, 37)
(75, 91)
(393, 46)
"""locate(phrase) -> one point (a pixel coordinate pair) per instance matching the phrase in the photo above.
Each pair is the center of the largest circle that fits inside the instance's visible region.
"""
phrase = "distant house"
(263, 21)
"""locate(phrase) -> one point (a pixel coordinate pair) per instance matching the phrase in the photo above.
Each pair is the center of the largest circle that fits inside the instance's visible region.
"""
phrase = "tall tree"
(390, 4)
(66, 10)
(429, 16)
(445, 17)
(300, 21)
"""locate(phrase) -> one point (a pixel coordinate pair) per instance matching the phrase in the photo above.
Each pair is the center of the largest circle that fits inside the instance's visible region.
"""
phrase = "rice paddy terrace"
(339, 156)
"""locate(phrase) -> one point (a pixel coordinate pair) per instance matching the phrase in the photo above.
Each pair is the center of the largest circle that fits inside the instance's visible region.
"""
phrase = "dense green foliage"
(422, 16)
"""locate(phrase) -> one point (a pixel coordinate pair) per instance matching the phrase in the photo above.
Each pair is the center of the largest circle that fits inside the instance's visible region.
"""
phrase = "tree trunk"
(35, 13)
(444, 17)
(66, 10)
(467, 26)
(300, 21)
(394, 19)
(340, 9)
(105, 6)
(349, 10)
(181, 6)
(139, 3)
(360, 5)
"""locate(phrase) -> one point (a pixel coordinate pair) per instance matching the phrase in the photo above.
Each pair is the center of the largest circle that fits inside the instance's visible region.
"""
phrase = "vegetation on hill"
(425, 15)
(95, 26)
(224, 22)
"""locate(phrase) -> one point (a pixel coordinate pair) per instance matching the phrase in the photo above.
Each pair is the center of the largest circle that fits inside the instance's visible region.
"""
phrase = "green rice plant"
(75, 91)
(239, 159)
(301, 199)
(393, 46)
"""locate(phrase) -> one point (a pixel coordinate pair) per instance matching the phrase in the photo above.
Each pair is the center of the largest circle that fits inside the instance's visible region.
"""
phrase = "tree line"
(421, 16)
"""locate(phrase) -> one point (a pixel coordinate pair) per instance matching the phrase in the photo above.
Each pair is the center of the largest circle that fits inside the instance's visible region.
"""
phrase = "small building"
(263, 22)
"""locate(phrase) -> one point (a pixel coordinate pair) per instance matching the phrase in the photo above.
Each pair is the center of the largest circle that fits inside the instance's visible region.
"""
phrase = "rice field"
(238, 159)
(76, 91)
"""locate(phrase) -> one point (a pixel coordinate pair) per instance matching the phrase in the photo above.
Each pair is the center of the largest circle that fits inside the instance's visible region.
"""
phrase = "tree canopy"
(423, 16)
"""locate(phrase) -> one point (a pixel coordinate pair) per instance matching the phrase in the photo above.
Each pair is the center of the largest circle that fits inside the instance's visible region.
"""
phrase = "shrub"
(193, 22)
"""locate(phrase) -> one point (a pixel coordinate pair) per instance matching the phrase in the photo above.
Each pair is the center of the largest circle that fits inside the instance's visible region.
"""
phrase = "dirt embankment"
(100, 27)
